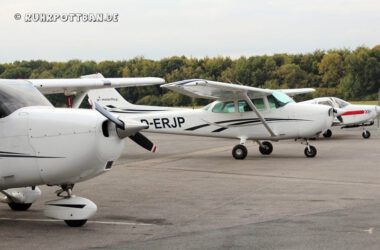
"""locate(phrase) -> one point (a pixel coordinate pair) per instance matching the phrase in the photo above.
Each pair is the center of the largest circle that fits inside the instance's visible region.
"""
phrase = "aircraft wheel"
(19, 206)
(239, 152)
(310, 153)
(75, 223)
(366, 134)
(266, 148)
(327, 134)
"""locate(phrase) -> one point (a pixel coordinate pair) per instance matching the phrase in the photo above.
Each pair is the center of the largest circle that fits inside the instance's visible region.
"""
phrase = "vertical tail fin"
(109, 98)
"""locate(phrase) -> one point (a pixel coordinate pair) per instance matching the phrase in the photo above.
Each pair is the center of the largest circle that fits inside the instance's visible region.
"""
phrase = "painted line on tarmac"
(91, 221)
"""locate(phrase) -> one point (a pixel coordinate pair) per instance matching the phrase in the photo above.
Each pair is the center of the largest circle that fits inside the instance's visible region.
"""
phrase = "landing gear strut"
(75, 211)
(310, 151)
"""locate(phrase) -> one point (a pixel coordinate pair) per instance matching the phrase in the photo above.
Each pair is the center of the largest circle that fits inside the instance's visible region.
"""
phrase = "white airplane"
(239, 112)
(40, 144)
(352, 116)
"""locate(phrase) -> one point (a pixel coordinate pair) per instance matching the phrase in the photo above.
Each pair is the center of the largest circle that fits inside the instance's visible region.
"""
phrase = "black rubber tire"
(75, 223)
(327, 134)
(310, 153)
(239, 152)
(266, 149)
(366, 134)
(19, 206)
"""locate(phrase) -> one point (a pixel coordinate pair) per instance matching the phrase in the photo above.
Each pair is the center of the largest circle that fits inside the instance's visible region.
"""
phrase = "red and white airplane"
(352, 116)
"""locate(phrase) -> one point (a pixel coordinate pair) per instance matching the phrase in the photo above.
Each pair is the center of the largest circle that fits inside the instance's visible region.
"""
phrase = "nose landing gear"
(75, 211)
(310, 151)
(366, 134)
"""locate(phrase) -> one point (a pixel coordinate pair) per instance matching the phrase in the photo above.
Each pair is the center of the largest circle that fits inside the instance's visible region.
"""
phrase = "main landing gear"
(21, 199)
(75, 211)
(265, 148)
(327, 133)
(239, 152)
(366, 134)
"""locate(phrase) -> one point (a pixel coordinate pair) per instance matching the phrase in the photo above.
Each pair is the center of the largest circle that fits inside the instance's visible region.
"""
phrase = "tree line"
(348, 74)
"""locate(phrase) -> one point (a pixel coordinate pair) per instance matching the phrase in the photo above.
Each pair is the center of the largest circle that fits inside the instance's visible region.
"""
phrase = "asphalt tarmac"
(193, 195)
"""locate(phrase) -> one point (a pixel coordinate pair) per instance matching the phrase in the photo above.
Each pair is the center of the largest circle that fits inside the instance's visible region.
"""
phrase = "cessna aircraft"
(40, 144)
(240, 112)
(353, 116)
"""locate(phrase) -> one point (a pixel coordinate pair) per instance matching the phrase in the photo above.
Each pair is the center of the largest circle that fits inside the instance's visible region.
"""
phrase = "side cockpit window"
(224, 107)
(258, 102)
(341, 103)
(243, 106)
(327, 103)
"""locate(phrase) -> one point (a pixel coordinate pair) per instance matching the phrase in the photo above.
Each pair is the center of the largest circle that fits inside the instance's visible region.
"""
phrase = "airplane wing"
(214, 90)
(218, 90)
(293, 92)
(77, 85)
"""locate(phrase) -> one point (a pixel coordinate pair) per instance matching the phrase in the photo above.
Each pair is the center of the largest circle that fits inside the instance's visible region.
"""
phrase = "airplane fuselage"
(358, 114)
(351, 114)
(290, 121)
(46, 145)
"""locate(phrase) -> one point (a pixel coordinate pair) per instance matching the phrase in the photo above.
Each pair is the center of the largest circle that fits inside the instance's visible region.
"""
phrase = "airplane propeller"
(338, 114)
(128, 129)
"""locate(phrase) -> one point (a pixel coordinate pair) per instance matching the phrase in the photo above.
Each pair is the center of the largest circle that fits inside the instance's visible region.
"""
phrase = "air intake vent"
(109, 165)
(105, 129)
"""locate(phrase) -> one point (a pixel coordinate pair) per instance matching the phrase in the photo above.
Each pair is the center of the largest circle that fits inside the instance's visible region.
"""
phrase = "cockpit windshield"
(278, 99)
(341, 103)
(15, 95)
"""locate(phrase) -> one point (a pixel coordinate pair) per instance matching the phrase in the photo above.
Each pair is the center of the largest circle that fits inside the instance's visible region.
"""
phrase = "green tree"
(332, 69)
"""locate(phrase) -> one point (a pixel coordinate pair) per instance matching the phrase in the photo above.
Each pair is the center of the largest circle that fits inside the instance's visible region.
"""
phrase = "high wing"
(77, 85)
(218, 90)
(293, 92)
(214, 90)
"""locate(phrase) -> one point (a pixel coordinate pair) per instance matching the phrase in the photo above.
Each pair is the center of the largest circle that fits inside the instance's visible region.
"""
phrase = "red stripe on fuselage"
(353, 112)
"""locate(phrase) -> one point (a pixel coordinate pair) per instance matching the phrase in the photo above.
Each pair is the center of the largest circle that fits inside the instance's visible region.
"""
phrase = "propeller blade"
(339, 117)
(109, 116)
(338, 114)
(144, 142)
(126, 129)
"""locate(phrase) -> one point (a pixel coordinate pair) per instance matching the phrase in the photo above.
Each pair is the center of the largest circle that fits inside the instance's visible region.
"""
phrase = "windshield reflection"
(17, 94)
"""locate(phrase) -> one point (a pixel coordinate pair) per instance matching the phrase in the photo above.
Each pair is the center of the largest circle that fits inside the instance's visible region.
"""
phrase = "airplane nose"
(332, 114)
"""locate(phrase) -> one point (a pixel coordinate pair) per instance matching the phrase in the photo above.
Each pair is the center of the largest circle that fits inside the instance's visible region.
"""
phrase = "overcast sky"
(163, 28)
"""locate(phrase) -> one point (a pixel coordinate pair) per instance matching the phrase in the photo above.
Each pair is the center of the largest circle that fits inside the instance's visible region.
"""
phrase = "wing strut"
(266, 125)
